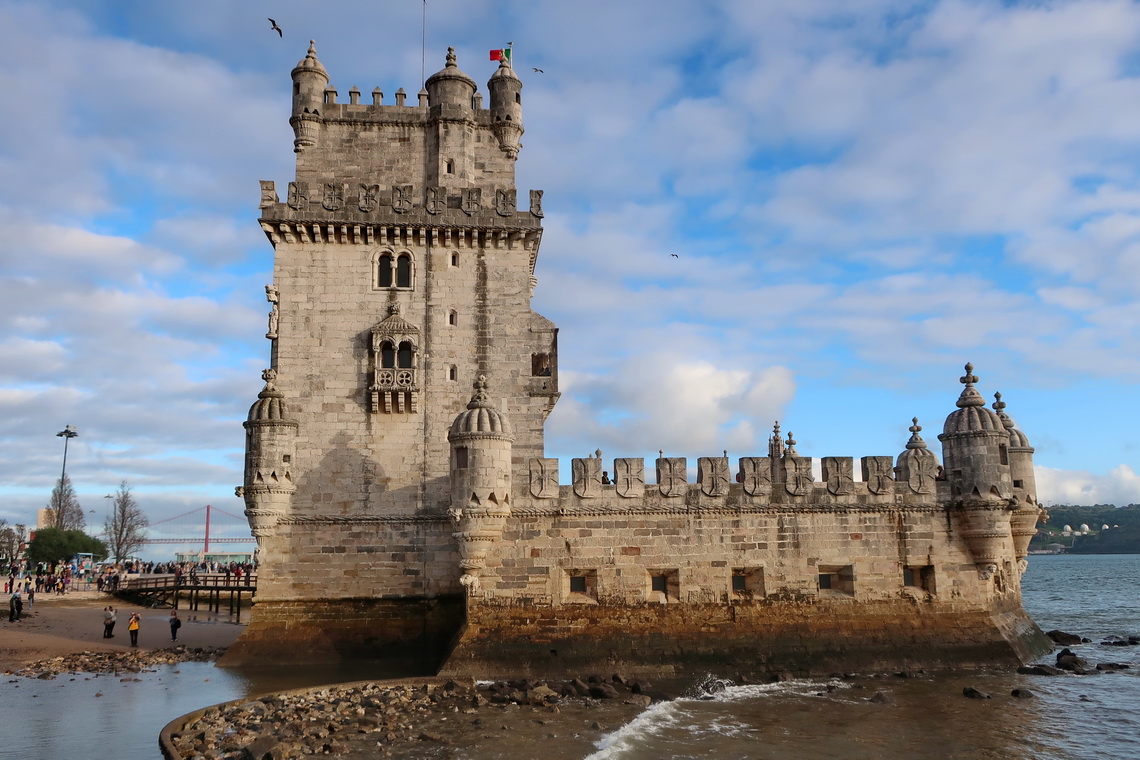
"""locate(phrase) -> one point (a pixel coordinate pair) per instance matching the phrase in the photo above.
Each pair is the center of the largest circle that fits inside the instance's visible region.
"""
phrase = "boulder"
(1039, 670)
(1022, 694)
(973, 693)
(881, 698)
(1062, 638)
(262, 748)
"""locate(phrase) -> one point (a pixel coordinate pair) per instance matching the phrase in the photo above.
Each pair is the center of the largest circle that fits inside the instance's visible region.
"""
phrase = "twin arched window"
(393, 357)
(394, 271)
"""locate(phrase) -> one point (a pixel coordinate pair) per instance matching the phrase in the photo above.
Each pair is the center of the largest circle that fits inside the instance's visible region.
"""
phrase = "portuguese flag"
(501, 55)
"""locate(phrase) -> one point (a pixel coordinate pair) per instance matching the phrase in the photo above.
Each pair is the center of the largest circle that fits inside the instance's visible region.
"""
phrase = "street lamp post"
(66, 434)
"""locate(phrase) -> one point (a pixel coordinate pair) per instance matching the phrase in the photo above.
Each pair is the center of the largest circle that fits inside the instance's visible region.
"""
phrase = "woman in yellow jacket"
(133, 629)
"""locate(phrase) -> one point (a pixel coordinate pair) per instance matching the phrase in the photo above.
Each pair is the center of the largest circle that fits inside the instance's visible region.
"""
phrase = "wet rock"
(641, 700)
(1110, 666)
(1066, 660)
(1039, 670)
(1062, 638)
(1116, 641)
(881, 698)
(973, 693)
(1023, 694)
(603, 691)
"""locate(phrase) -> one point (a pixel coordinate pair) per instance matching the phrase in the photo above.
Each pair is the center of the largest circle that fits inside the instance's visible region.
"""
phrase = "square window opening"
(837, 580)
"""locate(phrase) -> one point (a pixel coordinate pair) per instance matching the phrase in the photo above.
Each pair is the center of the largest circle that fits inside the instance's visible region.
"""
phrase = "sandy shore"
(59, 625)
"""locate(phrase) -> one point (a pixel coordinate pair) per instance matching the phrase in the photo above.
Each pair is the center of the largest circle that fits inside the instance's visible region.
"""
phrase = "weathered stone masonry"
(400, 516)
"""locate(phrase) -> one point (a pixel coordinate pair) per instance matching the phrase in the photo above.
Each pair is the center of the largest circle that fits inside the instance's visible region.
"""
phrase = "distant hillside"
(1122, 536)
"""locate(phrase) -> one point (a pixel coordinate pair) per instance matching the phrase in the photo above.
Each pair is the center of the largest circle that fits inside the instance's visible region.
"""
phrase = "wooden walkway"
(171, 591)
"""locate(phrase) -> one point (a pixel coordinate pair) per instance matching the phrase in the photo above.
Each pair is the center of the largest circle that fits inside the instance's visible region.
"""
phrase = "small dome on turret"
(310, 63)
(972, 414)
(270, 404)
(450, 85)
(481, 418)
(505, 71)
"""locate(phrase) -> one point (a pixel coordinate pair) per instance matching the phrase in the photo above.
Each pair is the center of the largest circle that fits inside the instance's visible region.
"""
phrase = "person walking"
(13, 600)
(111, 627)
(108, 622)
(133, 629)
(175, 624)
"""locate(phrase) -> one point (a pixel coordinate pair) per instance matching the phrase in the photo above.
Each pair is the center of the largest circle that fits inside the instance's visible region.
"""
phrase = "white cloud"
(1119, 486)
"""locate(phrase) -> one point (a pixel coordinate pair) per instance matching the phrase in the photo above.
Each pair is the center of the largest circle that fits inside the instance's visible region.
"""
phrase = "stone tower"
(404, 270)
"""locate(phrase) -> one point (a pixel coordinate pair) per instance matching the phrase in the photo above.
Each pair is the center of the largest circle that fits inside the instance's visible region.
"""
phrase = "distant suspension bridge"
(189, 522)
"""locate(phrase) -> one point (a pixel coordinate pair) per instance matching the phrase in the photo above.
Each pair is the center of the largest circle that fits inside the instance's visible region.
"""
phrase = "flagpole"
(423, 43)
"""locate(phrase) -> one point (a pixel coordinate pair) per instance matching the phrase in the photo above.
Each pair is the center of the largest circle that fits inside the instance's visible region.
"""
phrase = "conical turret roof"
(972, 416)
(310, 62)
(481, 417)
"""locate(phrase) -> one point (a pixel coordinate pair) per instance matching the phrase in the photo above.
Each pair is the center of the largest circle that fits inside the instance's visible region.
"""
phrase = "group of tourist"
(110, 617)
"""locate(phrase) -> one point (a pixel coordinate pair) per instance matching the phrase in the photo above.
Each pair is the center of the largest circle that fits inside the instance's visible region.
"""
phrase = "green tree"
(125, 529)
(64, 504)
(54, 545)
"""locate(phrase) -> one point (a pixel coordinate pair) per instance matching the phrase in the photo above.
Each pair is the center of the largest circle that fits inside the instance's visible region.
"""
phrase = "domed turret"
(975, 448)
(480, 440)
(1023, 523)
(449, 89)
(917, 466)
(506, 108)
(309, 82)
(270, 440)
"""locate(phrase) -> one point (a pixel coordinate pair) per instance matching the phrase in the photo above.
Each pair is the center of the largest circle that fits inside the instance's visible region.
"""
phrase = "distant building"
(45, 518)
(399, 514)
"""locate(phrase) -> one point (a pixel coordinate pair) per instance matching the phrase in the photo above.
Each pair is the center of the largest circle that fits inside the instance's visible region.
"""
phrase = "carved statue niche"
(505, 202)
(334, 196)
(712, 474)
(587, 475)
(298, 198)
(629, 477)
(401, 198)
(543, 478)
(672, 475)
(436, 200)
(838, 474)
(798, 479)
(472, 200)
(536, 203)
(878, 474)
(369, 199)
(756, 475)
(269, 197)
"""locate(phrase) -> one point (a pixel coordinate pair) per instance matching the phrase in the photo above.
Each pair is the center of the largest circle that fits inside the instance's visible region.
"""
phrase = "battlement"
(757, 481)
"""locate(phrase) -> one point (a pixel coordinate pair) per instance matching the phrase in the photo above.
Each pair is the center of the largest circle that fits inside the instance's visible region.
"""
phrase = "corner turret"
(270, 437)
(506, 108)
(975, 447)
(1027, 511)
(309, 82)
(480, 439)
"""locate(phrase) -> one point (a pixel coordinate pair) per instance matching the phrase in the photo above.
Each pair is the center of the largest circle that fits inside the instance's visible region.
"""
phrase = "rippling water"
(1072, 718)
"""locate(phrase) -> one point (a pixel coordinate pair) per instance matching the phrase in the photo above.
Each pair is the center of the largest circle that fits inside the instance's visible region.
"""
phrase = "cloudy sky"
(861, 198)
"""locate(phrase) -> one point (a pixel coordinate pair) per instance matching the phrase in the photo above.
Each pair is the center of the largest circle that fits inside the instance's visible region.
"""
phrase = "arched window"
(455, 259)
(403, 271)
(384, 271)
(387, 355)
(453, 373)
(404, 355)
(450, 166)
(452, 317)
(518, 98)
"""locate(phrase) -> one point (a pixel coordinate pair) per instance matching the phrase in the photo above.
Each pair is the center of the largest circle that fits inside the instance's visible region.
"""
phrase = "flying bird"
(540, 71)
(276, 28)
(674, 255)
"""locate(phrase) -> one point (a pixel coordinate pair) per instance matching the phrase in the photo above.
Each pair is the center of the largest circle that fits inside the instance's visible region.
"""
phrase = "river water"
(1071, 718)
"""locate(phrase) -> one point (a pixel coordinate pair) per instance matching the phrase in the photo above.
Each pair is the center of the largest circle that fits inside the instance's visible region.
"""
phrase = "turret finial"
(451, 59)
(269, 375)
(394, 308)
(479, 398)
(915, 441)
(999, 405)
(970, 395)
(791, 450)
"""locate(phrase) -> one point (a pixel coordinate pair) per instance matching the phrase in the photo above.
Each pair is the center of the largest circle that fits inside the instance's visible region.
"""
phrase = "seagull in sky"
(674, 255)
(540, 71)
(276, 28)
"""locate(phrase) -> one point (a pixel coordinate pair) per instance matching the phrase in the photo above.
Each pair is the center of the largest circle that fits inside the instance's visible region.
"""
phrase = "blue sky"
(861, 197)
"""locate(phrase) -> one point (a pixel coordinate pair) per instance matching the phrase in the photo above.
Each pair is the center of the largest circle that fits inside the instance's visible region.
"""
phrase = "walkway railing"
(170, 590)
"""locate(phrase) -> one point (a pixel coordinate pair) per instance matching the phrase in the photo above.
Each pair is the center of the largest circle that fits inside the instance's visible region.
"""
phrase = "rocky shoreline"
(409, 719)
(114, 662)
